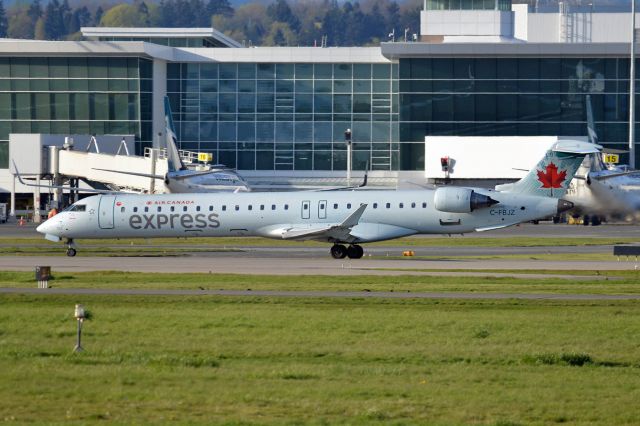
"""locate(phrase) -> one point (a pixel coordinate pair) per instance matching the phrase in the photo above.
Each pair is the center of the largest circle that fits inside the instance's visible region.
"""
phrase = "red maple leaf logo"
(551, 178)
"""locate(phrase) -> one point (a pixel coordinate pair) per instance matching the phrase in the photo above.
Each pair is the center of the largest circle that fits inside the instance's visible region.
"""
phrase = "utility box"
(43, 273)
(3, 212)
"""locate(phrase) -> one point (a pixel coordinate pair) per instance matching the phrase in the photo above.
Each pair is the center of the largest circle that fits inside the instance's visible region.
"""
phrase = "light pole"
(347, 140)
(80, 316)
(632, 89)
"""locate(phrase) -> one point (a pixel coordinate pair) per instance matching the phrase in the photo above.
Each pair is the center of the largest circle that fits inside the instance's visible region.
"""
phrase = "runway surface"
(323, 294)
(260, 265)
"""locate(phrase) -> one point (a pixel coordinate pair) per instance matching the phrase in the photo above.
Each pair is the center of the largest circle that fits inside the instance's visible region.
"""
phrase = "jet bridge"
(61, 159)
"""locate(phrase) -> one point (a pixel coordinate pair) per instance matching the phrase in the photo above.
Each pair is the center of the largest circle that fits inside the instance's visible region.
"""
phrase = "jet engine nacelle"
(460, 200)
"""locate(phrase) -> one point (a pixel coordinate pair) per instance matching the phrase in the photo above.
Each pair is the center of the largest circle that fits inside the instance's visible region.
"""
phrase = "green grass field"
(613, 282)
(319, 361)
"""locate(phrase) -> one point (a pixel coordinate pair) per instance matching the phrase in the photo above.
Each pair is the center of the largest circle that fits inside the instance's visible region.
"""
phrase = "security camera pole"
(80, 316)
(347, 140)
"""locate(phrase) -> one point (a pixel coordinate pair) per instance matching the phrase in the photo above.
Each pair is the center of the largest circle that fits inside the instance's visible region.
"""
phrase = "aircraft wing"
(149, 175)
(337, 232)
(605, 177)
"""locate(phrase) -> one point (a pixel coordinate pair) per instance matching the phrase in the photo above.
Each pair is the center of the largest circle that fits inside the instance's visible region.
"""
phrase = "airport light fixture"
(80, 315)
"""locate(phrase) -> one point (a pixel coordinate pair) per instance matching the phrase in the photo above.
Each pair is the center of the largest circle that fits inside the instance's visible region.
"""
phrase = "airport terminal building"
(476, 68)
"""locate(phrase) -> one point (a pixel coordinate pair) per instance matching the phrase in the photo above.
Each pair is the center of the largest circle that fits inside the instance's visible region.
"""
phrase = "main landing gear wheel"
(355, 252)
(338, 251)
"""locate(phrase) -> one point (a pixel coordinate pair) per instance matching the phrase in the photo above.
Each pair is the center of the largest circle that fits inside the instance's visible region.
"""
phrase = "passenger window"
(261, 206)
(135, 209)
(348, 205)
(78, 208)
(146, 209)
(197, 208)
(305, 207)
(273, 206)
(184, 209)
(121, 209)
(335, 206)
(413, 205)
(286, 206)
(322, 206)
(224, 208)
(424, 205)
(250, 207)
(401, 205)
(210, 208)
(375, 205)
(159, 209)
(388, 205)
(173, 208)
(237, 207)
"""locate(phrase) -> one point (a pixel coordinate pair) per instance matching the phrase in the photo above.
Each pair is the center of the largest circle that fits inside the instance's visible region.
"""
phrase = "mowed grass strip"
(621, 282)
(318, 361)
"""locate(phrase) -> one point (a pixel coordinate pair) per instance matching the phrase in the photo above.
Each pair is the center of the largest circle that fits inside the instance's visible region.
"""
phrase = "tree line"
(278, 23)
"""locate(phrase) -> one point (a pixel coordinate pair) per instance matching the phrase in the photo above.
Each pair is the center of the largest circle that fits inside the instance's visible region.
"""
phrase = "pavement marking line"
(319, 294)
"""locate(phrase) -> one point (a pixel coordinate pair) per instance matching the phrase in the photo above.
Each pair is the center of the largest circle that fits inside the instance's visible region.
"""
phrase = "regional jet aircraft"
(344, 218)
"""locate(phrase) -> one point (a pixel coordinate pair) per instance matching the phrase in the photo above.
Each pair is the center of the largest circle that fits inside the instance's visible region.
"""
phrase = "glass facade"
(510, 96)
(170, 41)
(287, 116)
(504, 5)
(82, 95)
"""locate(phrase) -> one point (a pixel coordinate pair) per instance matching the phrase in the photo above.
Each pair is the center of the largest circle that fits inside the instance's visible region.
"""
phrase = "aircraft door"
(306, 209)
(322, 209)
(105, 211)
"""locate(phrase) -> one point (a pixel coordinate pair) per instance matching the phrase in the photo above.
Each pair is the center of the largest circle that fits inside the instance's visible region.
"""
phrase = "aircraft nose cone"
(42, 228)
(47, 227)
(564, 205)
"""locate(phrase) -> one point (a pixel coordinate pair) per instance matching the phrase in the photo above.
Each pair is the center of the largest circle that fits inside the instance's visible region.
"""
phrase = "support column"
(12, 211)
(36, 201)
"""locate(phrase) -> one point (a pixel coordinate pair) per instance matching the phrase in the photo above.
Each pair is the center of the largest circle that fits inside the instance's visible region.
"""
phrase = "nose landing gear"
(70, 250)
(338, 251)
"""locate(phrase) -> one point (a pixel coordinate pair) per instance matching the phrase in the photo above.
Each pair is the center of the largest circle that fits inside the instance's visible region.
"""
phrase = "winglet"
(354, 217)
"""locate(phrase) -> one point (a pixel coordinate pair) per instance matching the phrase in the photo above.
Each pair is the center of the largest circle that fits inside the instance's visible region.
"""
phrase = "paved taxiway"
(238, 263)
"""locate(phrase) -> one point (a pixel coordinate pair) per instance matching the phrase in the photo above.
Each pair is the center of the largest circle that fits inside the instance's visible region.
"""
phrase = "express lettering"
(187, 221)
(502, 212)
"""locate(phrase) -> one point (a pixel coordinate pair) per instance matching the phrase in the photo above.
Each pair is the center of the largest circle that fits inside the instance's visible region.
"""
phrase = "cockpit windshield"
(76, 208)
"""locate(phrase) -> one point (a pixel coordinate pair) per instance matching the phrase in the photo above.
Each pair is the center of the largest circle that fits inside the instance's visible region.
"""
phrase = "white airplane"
(338, 217)
(598, 190)
(180, 179)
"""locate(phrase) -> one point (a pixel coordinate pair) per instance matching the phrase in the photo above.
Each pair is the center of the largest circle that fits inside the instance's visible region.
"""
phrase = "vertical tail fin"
(591, 126)
(173, 157)
(551, 177)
